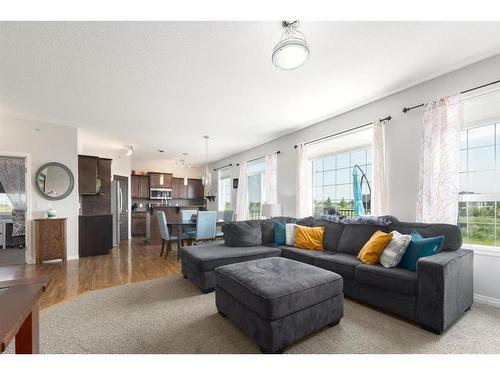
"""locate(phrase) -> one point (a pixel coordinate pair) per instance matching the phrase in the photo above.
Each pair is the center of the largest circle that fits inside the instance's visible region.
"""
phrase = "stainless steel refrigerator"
(119, 209)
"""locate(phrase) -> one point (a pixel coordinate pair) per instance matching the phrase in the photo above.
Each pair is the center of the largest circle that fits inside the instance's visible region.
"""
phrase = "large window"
(479, 187)
(225, 189)
(332, 181)
(5, 205)
(225, 193)
(255, 173)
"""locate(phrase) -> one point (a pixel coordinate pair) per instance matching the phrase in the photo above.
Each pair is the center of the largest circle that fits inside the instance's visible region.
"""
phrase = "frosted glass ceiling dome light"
(292, 51)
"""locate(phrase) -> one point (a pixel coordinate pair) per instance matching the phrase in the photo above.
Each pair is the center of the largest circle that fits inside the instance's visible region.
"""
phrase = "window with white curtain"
(332, 164)
(479, 184)
(255, 178)
(5, 205)
(225, 189)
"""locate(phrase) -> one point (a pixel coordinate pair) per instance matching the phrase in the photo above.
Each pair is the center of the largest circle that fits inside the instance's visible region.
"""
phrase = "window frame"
(222, 194)
(481, 197)
(368, 148)
(262, 176)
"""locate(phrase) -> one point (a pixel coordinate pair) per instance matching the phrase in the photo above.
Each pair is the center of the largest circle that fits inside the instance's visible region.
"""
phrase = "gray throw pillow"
(394, 251)
(242, 233)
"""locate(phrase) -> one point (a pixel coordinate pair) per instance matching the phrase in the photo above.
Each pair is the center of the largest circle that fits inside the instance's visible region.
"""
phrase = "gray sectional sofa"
(434, 296)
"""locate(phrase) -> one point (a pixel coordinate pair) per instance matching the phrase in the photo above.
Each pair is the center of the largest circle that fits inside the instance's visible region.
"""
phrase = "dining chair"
(205, 226)
(166, 238)
(227, 217)
(187, 230)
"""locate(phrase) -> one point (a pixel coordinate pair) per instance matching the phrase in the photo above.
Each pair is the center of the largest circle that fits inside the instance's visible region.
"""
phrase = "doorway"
(13, 206)
(122, 212)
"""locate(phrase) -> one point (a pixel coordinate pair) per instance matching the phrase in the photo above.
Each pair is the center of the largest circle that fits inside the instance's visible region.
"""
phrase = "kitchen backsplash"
(171, 202)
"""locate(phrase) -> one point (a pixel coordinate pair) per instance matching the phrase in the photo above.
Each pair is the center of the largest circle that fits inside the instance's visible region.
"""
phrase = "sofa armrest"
(444, 289)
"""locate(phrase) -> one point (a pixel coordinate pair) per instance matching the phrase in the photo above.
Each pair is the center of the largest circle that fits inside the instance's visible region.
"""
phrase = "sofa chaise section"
(199, 262)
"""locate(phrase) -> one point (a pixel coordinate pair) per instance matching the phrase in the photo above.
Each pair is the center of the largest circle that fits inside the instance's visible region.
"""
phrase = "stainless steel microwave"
(160, 193)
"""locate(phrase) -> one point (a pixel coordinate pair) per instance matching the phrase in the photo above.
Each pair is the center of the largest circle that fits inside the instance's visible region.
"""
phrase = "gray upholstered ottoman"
(277, 300)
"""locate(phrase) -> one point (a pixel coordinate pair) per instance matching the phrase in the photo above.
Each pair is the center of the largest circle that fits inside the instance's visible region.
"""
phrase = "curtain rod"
(406, 109)
(249, 161)
(224, 166)
(388, 118)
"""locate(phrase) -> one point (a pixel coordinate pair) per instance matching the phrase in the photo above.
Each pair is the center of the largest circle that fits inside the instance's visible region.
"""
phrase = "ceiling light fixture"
(207, 178)
(182, 162)
(130, 150)
(292, 51)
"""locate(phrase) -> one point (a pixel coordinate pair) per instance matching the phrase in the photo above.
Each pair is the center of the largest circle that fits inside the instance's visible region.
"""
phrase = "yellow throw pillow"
(372, 250)
(310, 238)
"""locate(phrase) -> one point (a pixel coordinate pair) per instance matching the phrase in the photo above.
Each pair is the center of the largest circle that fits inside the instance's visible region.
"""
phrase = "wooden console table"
(50, 239)
(19, 313)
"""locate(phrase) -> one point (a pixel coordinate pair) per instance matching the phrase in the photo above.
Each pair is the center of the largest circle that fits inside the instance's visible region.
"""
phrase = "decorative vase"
(51, 213)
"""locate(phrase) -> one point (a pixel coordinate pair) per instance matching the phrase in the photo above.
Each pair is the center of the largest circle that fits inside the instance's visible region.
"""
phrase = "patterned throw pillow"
(394, 251)
(290, 234)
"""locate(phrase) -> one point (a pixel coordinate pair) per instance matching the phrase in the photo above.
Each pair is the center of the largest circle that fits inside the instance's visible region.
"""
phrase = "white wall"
(50, 143)
(166, 166)
(403, 148)
(120, 164)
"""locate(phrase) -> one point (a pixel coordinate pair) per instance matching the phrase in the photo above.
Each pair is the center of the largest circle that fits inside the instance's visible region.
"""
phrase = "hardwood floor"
(131, 262)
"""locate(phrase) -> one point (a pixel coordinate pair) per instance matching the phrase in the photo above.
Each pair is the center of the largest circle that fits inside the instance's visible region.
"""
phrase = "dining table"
(179, 224)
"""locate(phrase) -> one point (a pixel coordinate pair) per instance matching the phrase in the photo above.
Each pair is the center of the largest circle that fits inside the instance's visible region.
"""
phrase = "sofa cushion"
(267, 230)
(343, 264)
(396, 279)
(207, 257)
(333, 232)
(452, 233)
(243, 233)
(300, 255)
(277, 287)
(354, 236)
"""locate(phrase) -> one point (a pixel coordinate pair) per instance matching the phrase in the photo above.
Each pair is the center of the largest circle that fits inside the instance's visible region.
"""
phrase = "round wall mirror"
(54, 181)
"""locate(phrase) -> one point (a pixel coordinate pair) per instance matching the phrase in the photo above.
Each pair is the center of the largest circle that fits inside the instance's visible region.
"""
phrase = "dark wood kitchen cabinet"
(87, 174)
(139, 187)
(179, 190)
(139, 223)
(160, 180)
(195, 189)
(95, 235)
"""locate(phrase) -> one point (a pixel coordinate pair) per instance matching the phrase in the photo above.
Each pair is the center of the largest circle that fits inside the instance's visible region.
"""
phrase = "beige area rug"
(170, 315)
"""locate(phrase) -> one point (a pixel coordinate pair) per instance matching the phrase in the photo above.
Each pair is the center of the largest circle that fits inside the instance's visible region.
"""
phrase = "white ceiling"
(163, 85)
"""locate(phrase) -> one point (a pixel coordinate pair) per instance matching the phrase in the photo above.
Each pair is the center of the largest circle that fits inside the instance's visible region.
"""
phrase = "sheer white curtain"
(437, 186)
(12, 180)
(271, 179)
(303, 204)
(242, 193)
(379, 182)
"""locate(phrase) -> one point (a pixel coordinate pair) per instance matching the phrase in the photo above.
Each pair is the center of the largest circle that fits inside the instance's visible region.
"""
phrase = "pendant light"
(292, 51)
(207, 178)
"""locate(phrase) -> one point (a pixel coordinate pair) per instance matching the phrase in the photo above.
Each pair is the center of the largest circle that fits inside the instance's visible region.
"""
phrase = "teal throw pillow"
(279, 234)
(420, 247)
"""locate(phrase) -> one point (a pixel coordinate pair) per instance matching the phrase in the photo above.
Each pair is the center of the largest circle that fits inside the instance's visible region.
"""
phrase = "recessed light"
(161, 151)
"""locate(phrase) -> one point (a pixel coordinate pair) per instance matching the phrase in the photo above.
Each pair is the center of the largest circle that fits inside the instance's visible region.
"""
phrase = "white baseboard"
(73, 257)
(487, 300)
